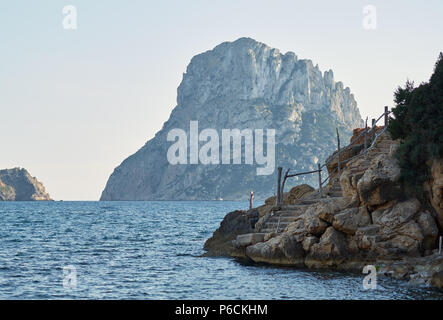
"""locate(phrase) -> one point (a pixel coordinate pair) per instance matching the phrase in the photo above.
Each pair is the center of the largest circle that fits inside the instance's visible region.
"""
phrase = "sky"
(74, 103)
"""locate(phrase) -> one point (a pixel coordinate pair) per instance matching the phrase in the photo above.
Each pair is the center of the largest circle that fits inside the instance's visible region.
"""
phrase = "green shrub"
(418, 122)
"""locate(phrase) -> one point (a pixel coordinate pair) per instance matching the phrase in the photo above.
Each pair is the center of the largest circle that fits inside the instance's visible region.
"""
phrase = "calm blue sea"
(150, 250)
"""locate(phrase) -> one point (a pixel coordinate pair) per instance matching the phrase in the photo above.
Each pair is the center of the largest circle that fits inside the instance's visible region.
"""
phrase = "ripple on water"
(151, 250)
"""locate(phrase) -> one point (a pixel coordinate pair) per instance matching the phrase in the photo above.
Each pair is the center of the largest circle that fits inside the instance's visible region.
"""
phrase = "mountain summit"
(239, 85)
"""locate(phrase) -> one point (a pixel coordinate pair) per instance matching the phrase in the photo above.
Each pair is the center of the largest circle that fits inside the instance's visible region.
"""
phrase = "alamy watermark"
(69, 277)
(369, 17)
(370, 281)
(69, 17)
(209, 152)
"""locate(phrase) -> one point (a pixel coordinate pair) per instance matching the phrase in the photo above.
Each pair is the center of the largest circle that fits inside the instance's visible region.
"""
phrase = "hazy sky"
(75, 103)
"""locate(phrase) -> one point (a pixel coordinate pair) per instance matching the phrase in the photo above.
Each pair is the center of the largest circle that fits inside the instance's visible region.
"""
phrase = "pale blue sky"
(74, 104)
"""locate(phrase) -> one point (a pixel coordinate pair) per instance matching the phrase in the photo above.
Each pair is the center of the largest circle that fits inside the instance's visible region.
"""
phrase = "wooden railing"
(367, 133)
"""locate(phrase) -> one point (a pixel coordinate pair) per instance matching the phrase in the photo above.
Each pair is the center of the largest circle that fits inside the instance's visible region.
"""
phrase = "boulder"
(435, 188)
(244, 240)
(429, 229)
(313, 224)
(326, 209)
(402, 241)
(297, 193)
(280, 250)
(437, 280)
(366, 237)
(347, 221)
(397, 215)
(399, 234)
(234, 223)
(297, 229)
(380, 182)
(309, 242)
(329, 252)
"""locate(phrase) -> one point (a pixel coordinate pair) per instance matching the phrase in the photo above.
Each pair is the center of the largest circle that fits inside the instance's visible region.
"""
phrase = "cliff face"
(18, 185)
(238, 85)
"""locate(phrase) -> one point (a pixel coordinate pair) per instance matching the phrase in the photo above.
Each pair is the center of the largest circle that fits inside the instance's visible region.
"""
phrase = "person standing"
(251, 200)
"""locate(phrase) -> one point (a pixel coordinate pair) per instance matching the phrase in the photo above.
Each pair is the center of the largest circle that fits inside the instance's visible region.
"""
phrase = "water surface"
(150, 250)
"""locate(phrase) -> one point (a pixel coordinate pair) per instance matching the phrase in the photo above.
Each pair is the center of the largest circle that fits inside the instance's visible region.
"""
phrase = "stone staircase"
(335, 189)
(282, 218)
(287, 214)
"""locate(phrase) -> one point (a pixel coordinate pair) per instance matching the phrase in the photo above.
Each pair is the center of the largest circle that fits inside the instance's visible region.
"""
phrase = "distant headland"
(18, 185)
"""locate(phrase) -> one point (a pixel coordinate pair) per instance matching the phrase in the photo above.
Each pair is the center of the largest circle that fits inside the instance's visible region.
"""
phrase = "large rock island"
(18, 185)
(238, 85)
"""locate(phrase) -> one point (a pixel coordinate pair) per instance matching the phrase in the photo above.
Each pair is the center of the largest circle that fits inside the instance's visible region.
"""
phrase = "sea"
(152, 250)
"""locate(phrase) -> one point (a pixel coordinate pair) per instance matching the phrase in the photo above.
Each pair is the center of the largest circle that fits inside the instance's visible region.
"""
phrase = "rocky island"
(239, 85)
(384, 207)
(18, 185)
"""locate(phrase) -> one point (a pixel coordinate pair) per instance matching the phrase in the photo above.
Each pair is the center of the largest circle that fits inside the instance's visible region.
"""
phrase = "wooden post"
(373, 130)
(338, 144)
(319, 181)
(366, 135)
(386, 115)
(282, 192)
(439, 245)
(278, 186)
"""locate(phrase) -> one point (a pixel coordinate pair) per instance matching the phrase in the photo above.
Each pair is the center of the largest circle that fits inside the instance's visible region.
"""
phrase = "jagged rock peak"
(250, 70)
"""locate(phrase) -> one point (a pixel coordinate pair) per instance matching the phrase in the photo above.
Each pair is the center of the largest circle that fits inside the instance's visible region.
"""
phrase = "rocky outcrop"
(18, 185)
(283, 249)
(373, 223)
(330, 251)
(426, 270)
(435, 189)
(349, 220)
(380, 183)
(234, 223)
(238, 85)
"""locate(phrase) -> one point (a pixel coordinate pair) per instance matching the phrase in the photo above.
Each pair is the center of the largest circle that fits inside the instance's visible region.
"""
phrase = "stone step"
(286, 215)
(291, 211)
(282, 219)
(290, 207)
(244, 240)
(268, 230)
(309, 202)
(274, 224)
(336, 194)
(273, 228)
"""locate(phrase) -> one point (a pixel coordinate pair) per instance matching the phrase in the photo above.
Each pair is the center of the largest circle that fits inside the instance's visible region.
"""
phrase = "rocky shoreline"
(364, 219)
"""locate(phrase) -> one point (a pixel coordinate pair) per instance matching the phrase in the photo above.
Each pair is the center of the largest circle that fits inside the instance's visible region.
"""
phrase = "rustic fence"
(368, 133)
